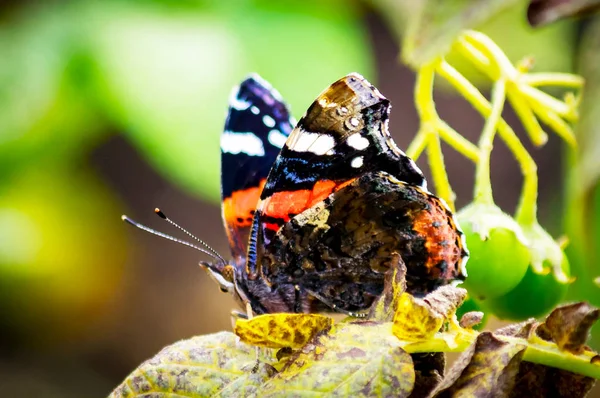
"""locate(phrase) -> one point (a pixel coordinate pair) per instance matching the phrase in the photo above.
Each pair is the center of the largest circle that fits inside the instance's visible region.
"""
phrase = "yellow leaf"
(414, 319)
(281, 330)
(360, 359)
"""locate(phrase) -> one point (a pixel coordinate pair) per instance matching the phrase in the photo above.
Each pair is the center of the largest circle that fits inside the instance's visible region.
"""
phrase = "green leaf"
(358, 359)
(439, 22)
(487, 369)
(211, 365)
(44, 114)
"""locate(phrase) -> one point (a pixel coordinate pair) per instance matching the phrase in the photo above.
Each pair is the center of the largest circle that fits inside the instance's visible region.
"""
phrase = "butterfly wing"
(342, 247)
(343, 135)
(257, 126)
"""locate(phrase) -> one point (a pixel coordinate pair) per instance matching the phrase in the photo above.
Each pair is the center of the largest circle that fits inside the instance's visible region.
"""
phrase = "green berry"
(533, 297)
(499, 256)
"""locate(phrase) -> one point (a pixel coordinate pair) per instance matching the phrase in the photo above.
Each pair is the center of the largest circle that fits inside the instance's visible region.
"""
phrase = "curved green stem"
(537, 135)
(438, 171)
(417, 145)
(424, 95)
(428, 134)
(542, 353)
(483, 184)
(553, 79)
(527, 209)
(457, 141)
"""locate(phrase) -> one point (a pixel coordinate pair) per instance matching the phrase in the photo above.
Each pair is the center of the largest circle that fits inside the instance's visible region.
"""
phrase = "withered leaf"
(429, 372)
(445, 300)
(487, 369)
(281, 330)
(354, 359)
(539, 381)
(384, 307)
(522, 330)
(569, 326)
(471, 319)
(543, 12)
(201, 366)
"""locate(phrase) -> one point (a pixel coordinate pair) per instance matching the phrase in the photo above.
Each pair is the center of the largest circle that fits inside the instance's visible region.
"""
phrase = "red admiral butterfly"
(316, 214)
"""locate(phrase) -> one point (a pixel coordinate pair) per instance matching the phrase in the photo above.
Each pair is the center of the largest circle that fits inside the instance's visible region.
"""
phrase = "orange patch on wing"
(239, 208)
(442, 240)
(287, 204)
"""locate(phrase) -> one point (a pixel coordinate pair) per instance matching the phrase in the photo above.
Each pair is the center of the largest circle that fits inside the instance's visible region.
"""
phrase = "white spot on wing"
(238, 104)
(357, 141)
(268, 121)
(277, 138)
(357, 162)
(303, 141)
(254, 110)
(248, 143)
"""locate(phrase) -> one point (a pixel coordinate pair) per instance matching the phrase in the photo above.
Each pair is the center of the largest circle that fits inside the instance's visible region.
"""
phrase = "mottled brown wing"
(342, 247)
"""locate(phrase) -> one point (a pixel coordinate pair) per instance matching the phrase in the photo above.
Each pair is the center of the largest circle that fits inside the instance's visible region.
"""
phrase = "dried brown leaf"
(543, 12)
(569, 326)
(487, 369)
(429, 372)
(535, 381)
(471, 319)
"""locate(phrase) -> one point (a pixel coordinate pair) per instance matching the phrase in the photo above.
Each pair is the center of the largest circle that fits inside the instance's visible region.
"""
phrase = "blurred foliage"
(73, 73)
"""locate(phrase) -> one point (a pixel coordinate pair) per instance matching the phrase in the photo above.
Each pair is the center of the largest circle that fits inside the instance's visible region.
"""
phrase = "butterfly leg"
(335, 307)
(297, 300)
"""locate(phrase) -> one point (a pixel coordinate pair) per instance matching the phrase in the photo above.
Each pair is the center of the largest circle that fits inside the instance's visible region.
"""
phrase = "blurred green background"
(117, 107)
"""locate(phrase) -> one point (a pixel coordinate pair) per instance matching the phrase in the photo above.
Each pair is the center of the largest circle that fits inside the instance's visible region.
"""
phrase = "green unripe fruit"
(499, 256)
(533, 297)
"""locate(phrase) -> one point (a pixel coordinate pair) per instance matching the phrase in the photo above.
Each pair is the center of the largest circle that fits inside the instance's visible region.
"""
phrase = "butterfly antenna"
(169, 237)
(203, 243)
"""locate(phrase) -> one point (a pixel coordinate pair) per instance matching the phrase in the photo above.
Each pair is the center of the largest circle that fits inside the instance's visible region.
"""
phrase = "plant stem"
(543, 354)
(438, 171)
(527, 209)
(430, 138)
(457, 141)
(553, 79)
(424, 95)
(483, 184)
(548, 102)
(537, 135)
(417, 145)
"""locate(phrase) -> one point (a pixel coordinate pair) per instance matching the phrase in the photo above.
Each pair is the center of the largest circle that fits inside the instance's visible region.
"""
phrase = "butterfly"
(316, 212)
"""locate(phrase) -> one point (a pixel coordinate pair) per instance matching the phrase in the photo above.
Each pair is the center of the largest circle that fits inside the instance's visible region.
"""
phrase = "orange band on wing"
(287, 204)
(239, 208)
